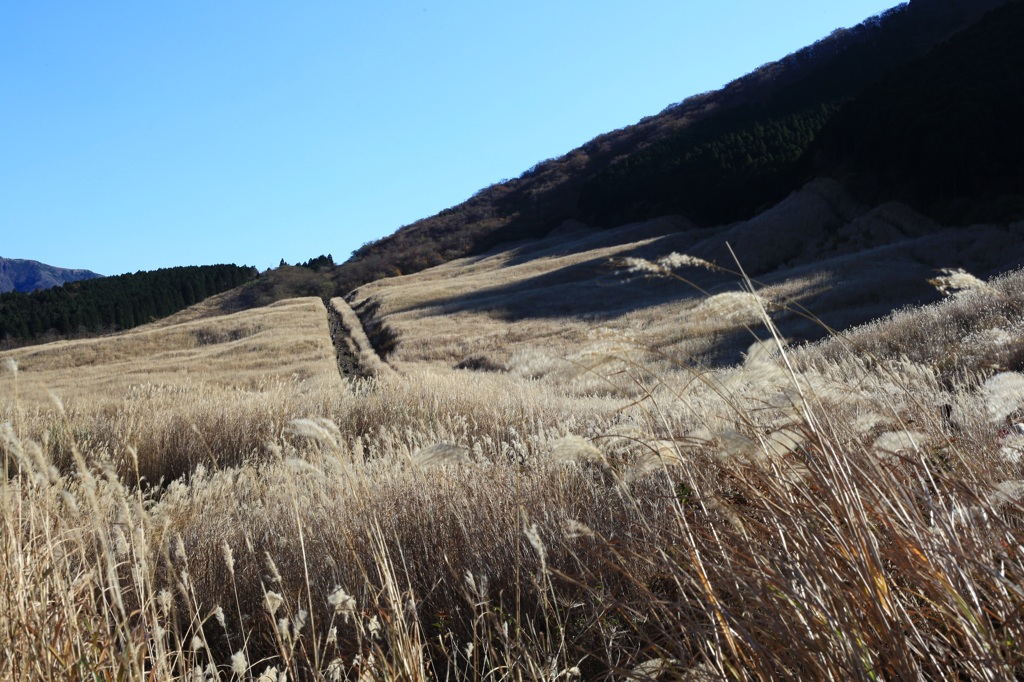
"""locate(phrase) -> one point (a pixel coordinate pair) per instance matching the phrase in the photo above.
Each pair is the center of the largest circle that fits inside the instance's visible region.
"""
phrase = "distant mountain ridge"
(30, 275)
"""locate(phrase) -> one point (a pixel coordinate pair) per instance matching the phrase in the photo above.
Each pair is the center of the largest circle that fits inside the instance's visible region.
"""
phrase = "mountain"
(724, 156)
(29, 275)
(911, 117)
(841, 178)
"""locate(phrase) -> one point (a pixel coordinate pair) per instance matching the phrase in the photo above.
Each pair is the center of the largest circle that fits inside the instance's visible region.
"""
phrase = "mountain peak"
(29, 275)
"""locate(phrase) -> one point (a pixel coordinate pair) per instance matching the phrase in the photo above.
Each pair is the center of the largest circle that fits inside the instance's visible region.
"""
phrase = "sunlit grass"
(847, 510)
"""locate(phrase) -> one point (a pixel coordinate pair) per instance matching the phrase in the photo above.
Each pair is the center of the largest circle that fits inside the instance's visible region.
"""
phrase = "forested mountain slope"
(942, 133)
(714, 158)
(111, 303)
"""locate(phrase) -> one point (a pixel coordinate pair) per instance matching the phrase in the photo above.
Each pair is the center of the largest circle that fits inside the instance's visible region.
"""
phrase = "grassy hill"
(176, 394)
(819, 249)
(581, 495)
(789, 445)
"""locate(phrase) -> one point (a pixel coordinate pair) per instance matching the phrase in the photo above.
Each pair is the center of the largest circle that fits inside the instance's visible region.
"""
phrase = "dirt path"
(356, 356)
(344, 350)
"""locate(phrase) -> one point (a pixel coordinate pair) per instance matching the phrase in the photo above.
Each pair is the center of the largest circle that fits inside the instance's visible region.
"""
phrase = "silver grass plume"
(439, 453)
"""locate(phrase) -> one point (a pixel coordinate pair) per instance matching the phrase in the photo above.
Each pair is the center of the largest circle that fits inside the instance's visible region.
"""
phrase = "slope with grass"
(539, 302)
(240, 350)
(172, 396)
(610, 508)
(587, 456)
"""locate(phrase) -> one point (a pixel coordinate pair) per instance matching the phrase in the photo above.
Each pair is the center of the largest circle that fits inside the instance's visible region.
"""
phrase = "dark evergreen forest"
(112, 304)
(942, 133)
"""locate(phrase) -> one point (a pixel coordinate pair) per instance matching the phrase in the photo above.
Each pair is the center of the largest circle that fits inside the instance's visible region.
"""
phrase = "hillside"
(107, 304)
(135, 388)
(818, 250)
(934, 132)
(715, 157)
(771, 427)
(29, 275)
(580, 474)
(941, 133)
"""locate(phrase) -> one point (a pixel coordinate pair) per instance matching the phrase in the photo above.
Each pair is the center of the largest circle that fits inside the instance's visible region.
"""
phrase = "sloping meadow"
(847, 509)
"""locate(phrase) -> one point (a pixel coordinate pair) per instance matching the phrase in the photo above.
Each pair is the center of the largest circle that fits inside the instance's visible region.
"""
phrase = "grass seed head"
(533, 535)
(342, 602)
(270, 674)
(229, 558)
(439, 453)
(1003, 394)
(272, 602)
(574, 448)
(239, 664)
(896, 442)
(165, 601)
(953, 280)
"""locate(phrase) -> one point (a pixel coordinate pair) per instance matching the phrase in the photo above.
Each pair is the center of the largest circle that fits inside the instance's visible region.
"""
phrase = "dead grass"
(244, 350)
(844, 511)
(976, 331)
(354, 335)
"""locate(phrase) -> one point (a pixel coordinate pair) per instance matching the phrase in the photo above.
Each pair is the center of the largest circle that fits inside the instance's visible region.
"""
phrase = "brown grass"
(244, 350)
(355, 336)
(850, 510)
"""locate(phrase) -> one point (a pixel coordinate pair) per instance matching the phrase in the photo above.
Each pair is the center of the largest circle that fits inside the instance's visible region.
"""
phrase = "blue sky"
(139, 135)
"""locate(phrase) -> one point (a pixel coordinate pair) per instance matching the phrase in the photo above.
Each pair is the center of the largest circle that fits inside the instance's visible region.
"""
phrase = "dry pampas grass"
(846, 510)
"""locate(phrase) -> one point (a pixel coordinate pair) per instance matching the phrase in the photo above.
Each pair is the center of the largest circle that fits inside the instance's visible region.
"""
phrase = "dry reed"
(849, 511)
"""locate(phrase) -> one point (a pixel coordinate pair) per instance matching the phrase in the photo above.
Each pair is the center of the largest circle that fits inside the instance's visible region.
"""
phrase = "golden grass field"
(208, 499)
(228, 350)
(568, 296)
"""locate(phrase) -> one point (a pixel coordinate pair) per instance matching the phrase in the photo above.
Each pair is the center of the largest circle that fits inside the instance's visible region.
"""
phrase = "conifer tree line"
(317, 264)
(720, 170)
(114, 303)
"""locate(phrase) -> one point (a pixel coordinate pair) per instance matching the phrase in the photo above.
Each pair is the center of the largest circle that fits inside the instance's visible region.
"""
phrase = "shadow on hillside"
(598, 288)
(852, 287)
(594, 289)
(576, 237)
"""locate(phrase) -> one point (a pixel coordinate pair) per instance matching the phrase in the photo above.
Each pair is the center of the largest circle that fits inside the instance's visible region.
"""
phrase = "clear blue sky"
(138, 135)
